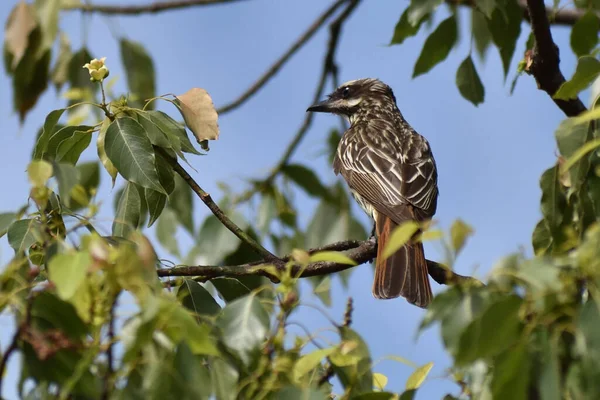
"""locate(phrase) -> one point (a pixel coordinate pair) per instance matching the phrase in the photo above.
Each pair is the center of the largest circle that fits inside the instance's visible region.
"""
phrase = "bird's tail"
(404, 273)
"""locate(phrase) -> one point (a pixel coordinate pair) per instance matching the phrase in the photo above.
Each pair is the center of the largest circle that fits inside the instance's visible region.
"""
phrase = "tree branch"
(359, 251)
(155, 7)
(271, 71)
(544, 59)
(329, 68)
(556, 17)
(221, 216)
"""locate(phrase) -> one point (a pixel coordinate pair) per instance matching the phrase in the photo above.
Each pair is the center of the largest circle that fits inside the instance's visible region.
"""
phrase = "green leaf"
(266, 212)
(197, 299)
(358, 375)
(333, 222)
(310, 361)
(60, 72)
(405, 29)
(497, 328)
(70, 149)
(68, 271)
(23, 233)
(155, 134)
(416, 379)
(468, 82)
(487, 7)
(181, 203)
(48, 311)
(156, 203)
(460, 232)
(174, 131)
(296, 393)
(165, 174)
(39, 172)
(47, 11)
(30, 77)
(127, 218)
(224, 378)
(139, 68)
(89, 180)
(399, 237)
(421, 8)
(553, 200)
(505, 27)
(216, 241)
(587, 70)
(307, 180)
(129, 149)
(541, 238)
(67, 177)
(101, 148)
(437, 46)
(511, 374)
(379, 381)
(480, 32)
(47, 131)
(6, 219)
(378, 396)
(244, 324)
(584, 34)
(230, 289)
(72, 135)
(550, 379)
(323, 290)
(192, 380)
(331, 256)
(166, 231)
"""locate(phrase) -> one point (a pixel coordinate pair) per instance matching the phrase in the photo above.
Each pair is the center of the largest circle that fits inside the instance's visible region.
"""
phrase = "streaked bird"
(392, 174)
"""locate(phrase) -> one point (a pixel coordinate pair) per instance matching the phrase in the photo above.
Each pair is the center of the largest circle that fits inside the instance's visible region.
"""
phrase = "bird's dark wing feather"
(390, 170)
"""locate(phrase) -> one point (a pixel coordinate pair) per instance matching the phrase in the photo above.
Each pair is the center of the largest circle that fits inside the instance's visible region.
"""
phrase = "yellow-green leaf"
(379, 380)
(39, 172)
(310, 361)
(399, 237)
(418, 376)
(332, 256)
(459, 232)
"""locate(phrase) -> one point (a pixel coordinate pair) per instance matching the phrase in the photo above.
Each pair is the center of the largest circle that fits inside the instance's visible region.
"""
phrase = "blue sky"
(489, 158)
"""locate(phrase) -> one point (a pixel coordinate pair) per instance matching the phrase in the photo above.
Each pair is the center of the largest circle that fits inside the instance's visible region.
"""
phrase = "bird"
(392, 174)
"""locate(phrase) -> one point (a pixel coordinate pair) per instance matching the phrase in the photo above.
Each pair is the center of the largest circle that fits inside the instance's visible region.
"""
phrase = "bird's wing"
(396, 173)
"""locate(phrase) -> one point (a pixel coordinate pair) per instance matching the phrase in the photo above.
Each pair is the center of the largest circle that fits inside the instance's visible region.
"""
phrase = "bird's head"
(356, 97)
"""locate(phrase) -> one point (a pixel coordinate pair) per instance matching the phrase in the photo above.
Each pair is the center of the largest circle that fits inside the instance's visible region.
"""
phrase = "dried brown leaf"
(199, 113)
(20, 24)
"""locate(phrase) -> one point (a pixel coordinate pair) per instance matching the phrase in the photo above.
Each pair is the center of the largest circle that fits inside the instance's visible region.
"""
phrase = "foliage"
(530, 332)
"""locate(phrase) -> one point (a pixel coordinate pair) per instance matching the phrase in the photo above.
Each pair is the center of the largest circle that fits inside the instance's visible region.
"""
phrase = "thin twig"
(545, 60)
(329, 68)
(228, 223)
(11, 348)
(273, 69)
(151, 8)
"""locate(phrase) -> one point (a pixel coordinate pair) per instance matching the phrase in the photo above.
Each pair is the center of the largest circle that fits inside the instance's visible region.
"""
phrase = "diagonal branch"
(544, 59)
(221, 216)
(270, 73)
(329, 68)
(151, 8)
(359, 251)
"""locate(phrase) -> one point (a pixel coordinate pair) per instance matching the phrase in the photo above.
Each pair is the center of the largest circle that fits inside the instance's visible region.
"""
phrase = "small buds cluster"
(97, 69)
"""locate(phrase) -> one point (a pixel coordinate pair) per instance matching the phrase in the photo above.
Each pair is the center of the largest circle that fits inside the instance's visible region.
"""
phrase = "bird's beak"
(323, 106)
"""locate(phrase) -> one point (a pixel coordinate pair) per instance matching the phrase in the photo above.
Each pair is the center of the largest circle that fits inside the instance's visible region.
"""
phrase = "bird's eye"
(346, 92)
